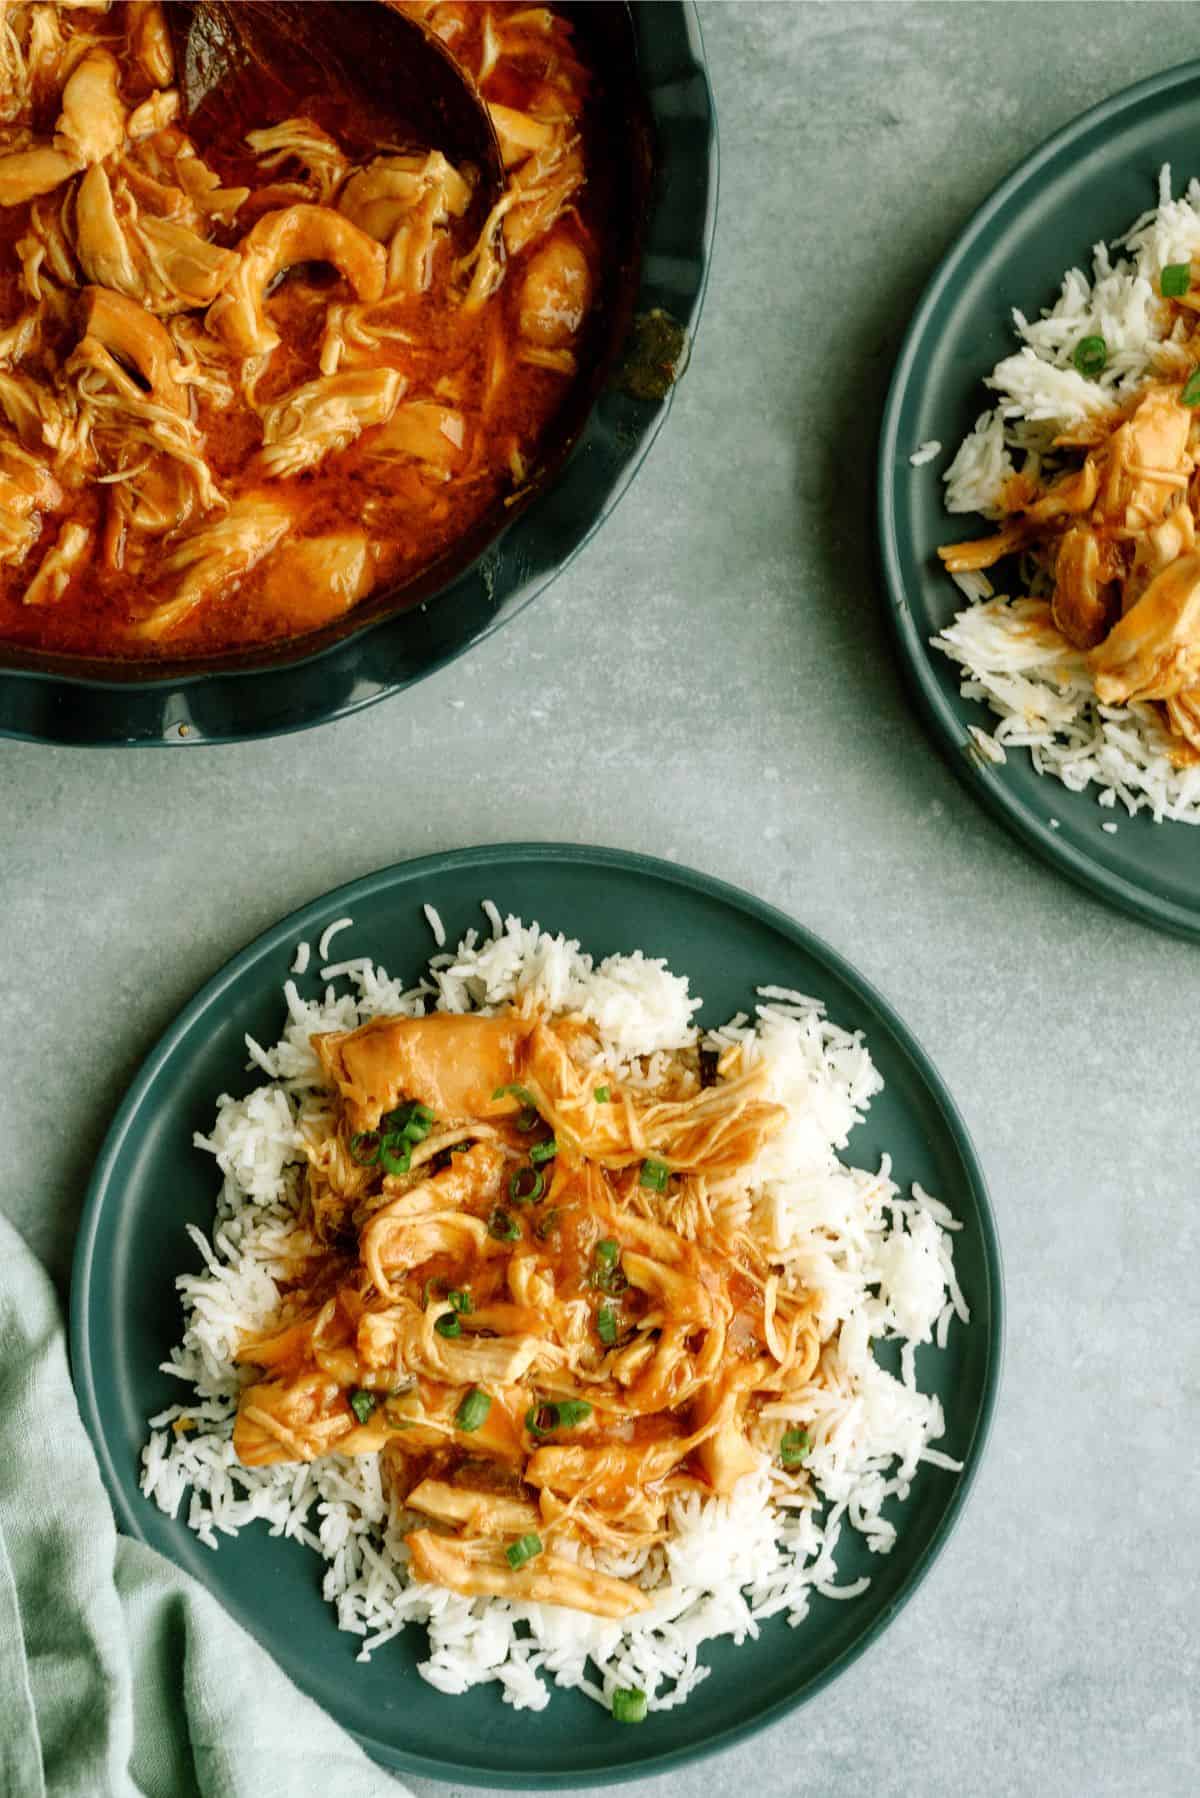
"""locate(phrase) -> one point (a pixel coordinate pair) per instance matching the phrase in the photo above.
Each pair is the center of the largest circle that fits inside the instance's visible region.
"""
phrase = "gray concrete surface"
(759, 730)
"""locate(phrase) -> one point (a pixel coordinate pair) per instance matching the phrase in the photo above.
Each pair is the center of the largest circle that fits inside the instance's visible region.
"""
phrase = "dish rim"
(935, 705)
(378, 660)
(299, 925)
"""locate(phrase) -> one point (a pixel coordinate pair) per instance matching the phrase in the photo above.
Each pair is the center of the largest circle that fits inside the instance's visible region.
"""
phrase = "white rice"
(1044, 697)
(882, 1262)
(925, 452)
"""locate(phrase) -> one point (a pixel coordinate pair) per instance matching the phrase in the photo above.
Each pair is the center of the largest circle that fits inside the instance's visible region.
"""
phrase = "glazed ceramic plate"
(150, 1182)
(657, 82)
(1087, 184)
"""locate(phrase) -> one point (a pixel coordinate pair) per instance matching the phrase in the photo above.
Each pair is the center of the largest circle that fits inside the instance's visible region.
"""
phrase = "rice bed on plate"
(1098, 690)
(844, 1252)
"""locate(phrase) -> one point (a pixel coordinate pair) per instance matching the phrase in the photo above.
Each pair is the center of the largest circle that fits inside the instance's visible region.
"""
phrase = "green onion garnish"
(794, 1447)
(472, 1411)
(607, 1273)
(1191, 393)
(606, 1325)
(655, 1175)
(362, 1404)
(413, 1122)
(460, 1300)
(504, 1226)
(364, 1147)
(572, 1411)
(543, 1420)
(395, 1155)
(1176, 279)
(603, 1095)
(448, 1325)
(525, 1548)
(629, 1705)
(549, 1224)
(526, 1186)
(543, 1151)
(517, 1092)
(1091, 355)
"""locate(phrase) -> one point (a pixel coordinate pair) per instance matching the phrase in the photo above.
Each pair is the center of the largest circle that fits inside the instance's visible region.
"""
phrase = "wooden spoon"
(244, 63)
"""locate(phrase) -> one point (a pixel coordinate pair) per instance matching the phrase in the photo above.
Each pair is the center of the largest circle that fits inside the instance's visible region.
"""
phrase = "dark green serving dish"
(149, 1183)
(653, 90)
(1086, 184)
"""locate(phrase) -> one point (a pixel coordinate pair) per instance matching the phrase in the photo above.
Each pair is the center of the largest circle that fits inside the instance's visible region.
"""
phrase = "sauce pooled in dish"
(253, 369)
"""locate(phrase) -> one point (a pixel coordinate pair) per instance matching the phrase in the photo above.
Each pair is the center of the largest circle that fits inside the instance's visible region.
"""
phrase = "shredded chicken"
(91, 124)
(60, 564)
(274, 244)
(514, 1307)
(315, 579)
(216, 553)
(27, 490)
(323, 416)
(1113, 540)
(423, 431)
(303, 142)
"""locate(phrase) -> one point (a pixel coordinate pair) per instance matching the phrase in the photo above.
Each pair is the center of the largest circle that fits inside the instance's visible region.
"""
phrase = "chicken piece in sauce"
(1115, 537)
(519, 1306)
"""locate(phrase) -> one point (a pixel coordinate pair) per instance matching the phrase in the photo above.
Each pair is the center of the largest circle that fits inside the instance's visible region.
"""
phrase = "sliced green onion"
(603, 1095)
(448, 1325)
(606, 1325)
(544, 1419)
(608, 1274)
(504, 1226)
(413, 1122)
(549, 1224)
(526, 1186)
(1176, 279)
(794, 1447)
(364, 1147)
(431, 1285)
(525, 1548)
(655, 1175)
(362, 1404)
(1191, 393)
(473, 1410)
(395, 1155)
(1090, 355)
(516, 1092)
(629, 1705)
(460, 1300)
(527, 1119)
(543, 1151)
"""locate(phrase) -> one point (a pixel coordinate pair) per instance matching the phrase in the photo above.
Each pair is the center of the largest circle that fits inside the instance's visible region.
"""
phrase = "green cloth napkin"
(119, 1675)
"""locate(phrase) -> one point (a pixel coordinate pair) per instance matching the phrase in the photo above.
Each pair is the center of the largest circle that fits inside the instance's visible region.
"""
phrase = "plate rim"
(950, 735)
(299, 923)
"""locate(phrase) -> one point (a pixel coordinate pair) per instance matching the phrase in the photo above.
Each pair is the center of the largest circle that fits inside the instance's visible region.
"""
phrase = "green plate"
(149, 1183)
(1086, 184)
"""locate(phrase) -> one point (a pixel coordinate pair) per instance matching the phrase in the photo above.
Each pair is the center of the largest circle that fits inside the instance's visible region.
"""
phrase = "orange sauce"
(410, 518)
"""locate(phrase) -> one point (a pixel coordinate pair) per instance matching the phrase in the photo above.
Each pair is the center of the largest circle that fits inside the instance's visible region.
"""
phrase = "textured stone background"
(755, 726)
